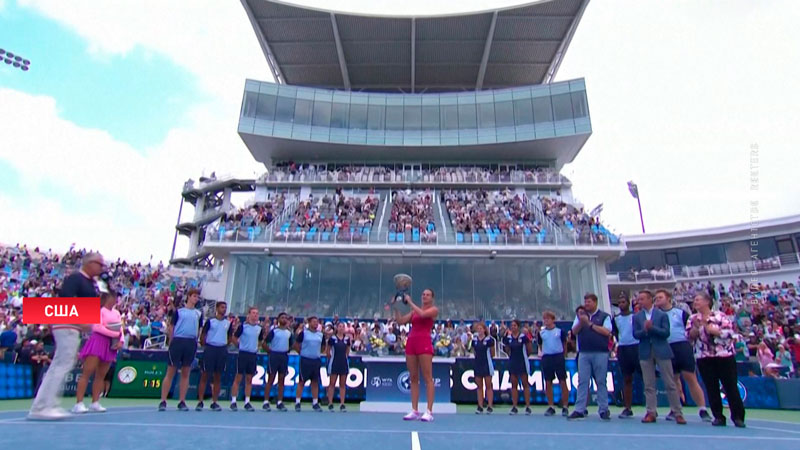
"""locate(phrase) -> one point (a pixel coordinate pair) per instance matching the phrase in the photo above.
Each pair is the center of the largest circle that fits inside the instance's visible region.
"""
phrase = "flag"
(633, 189)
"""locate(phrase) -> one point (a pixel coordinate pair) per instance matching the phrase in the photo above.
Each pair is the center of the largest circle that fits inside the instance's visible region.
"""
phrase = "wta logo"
(404, 382)
(742, 393)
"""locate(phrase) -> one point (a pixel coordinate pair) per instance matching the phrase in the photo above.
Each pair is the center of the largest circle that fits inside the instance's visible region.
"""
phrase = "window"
(579, 107)
(412, 117)
(376, 117)
(358, 117)
(562, 107)
(339, 113)
(523, 115)
(486, 115)
(302, 112)
(284, 112)
(504, 114)
(466, 116)
(249, 106)
(671, 258)
(542, 110)
(394, 117)
(322, 114)
(449, 115)
(430, 118)
(785, 246)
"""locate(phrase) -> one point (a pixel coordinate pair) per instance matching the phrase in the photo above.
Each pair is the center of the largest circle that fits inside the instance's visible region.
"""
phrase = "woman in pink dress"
(98, 353)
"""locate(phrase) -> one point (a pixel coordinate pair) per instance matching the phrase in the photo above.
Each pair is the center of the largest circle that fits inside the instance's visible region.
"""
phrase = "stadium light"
(11, 59)
(634, 190)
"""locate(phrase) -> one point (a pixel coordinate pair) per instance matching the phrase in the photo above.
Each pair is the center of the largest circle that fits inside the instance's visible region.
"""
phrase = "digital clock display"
(138, 379)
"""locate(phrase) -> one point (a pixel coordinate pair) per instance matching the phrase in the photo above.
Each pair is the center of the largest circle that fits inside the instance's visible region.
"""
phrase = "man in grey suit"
(651, 328)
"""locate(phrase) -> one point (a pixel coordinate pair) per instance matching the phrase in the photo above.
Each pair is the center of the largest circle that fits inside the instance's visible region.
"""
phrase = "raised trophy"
(403, 283)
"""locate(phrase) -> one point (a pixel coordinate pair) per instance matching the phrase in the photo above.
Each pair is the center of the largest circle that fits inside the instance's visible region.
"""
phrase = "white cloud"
(120, 199)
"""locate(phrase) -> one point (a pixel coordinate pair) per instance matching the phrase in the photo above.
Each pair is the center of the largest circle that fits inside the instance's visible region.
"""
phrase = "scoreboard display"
(138, 379)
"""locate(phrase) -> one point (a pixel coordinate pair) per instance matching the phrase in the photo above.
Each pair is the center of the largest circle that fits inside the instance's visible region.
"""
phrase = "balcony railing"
(370, 236)
(679, 272)
(430, 177)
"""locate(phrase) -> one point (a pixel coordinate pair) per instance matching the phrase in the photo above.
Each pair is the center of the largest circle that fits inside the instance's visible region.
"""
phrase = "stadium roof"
(498, 48)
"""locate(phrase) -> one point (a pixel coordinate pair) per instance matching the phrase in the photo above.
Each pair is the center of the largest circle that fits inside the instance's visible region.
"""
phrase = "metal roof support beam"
(562, 49)
(486, 50)
(340, 51)
(413, 54)
(274, 67)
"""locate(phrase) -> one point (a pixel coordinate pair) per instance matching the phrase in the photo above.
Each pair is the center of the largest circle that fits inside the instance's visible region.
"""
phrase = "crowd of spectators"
(481, 211)
(585, 225)
(245, 221)
(146, 293)
(413, 211)
(337, 211)
(294, 172)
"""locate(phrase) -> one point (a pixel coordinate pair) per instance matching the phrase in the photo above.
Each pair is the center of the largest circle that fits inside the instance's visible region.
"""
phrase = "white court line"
(774, 421)
(385, 431)
(108, 413)
(775, 429)
(415, 441)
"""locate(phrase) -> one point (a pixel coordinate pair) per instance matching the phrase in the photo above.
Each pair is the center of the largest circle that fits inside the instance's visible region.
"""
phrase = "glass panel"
(284, 112)
(365, 299)
(430, 118)
(579, 107)
(358, 117)
(249, 105)
(449, 116)
(504, 114)
(486, 115)
(542, 110)
(302, 112)
(335, 280)
(523, 114)
(394, 117)
(412, 117)
(457, 296)
(322, 114)
(562, 107)
(339, 115)
(466, 116)
(376, 117)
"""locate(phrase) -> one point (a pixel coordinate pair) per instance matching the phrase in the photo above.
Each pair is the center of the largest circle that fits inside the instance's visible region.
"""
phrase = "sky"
(124, 103)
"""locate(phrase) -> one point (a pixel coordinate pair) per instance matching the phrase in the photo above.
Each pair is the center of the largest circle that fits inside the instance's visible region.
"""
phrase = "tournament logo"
(376, 382)
(404, 383)
(742, 393)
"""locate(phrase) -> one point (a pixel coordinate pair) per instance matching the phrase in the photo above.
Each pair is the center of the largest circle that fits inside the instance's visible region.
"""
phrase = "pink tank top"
(420, 326)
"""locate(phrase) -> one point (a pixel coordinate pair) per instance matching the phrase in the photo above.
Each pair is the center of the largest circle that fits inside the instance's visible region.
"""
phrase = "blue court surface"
(144, 427)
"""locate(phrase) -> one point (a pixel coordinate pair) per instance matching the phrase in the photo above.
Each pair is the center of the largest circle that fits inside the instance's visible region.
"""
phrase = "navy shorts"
(309, 369)
(682, 357)
(338, 366)
(182, 352)
(628, 359)
(246, 363)
(278, 363)
(554, 366)
(214, 359)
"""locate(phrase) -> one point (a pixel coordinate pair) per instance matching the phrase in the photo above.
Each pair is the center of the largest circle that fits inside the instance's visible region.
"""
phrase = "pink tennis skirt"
(99, 346)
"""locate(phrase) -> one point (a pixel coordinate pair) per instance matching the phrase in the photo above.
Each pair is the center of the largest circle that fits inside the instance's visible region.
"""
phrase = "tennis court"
(129, 427)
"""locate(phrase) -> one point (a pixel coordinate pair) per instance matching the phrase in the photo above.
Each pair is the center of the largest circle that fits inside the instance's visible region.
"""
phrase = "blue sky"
(136, 97)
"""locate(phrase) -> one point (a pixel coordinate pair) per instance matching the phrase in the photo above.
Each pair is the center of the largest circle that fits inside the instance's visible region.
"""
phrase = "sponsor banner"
(71, 382)
(355, 379)
(388, 381)
(16, 381)
(464, 387)
(60, 310)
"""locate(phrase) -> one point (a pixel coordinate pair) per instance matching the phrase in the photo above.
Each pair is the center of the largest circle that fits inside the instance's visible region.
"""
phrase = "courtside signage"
(60, 310)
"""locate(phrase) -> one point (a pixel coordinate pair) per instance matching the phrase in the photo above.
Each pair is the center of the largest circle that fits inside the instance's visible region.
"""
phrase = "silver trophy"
(403, 283)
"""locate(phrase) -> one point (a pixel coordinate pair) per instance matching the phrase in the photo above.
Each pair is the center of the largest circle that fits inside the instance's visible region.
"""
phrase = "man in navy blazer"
(651, 328)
